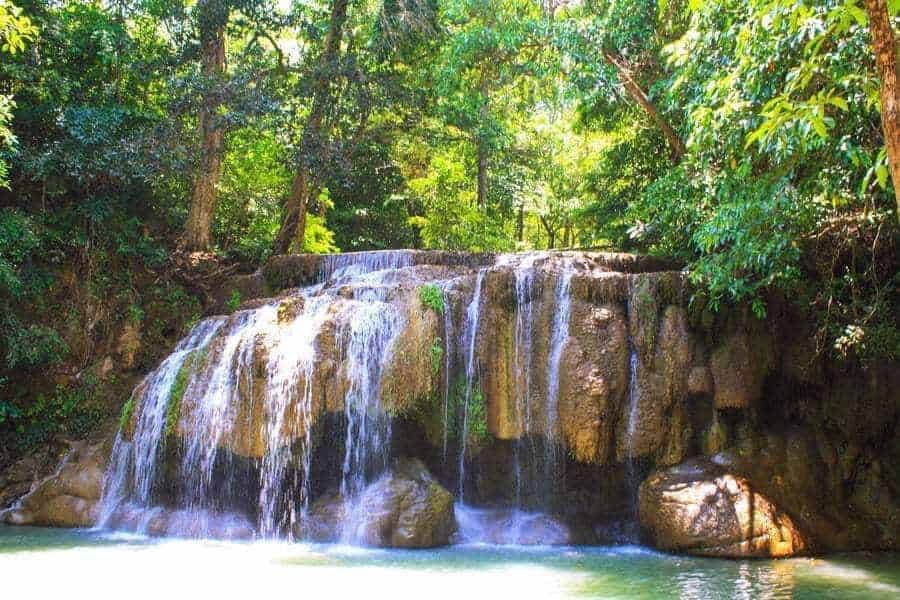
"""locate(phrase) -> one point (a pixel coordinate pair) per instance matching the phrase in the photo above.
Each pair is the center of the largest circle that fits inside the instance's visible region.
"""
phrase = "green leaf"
(881, 173)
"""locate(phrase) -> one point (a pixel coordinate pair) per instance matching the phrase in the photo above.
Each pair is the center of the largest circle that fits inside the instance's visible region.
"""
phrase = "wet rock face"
(699, 508)
(405, 508)
(68, 497)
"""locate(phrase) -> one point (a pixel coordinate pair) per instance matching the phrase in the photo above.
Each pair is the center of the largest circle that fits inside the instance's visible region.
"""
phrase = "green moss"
(428, 413)
(433, 297)
(191, 364)
(477, 421)
(125, 417)
(436, 353)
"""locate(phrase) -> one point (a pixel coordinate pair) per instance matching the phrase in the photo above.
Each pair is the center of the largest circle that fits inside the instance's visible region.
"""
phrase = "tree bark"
(551, 232)
(482, 174)
(520, 223)
(481, 150)
(634, 90)
(205, 194)
(293, 220)
(885, 47)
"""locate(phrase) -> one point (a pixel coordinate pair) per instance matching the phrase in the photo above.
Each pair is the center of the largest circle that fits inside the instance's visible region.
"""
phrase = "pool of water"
(97, 564)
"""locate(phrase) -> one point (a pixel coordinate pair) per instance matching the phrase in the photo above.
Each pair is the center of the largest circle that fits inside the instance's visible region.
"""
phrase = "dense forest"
(148, 147)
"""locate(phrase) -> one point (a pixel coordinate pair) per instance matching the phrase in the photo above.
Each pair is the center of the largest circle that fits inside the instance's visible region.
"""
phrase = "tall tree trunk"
(482, 174)
(520, 223)
(551, 233)
(885, 47)
(635, 91)
(213, 17)
(293, 219)
(481, 146)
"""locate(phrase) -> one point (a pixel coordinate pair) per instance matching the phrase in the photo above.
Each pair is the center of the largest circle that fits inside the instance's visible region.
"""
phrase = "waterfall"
(132, 466)
(214, 398)
(449, 350)
(338, 266)
(291, 361)
(522, 364)
(473, 314)
(631, 426)
(559, 334)
(277, 416)
(371, 332)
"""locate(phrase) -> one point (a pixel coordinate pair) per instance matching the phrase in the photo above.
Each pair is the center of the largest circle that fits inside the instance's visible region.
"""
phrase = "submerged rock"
(405, 508)
(499, 526)
(188, 523)
(699, 508)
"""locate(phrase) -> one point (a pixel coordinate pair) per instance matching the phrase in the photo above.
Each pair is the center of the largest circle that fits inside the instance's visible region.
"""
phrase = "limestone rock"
(699, 508)
(739, 367)
(69, 497)
(593, 380)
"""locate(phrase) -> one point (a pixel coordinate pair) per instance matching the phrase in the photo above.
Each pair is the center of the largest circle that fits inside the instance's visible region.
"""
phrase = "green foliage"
(477, 418)
(127, 411)
(234, 300)
(71, 410)
(460, 125)
(436, 354)
(432, 296)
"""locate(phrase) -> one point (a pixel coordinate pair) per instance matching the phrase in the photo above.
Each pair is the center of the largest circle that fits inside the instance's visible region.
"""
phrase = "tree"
(303, 187)
(16, 30)
(212, 20)
(885, 46)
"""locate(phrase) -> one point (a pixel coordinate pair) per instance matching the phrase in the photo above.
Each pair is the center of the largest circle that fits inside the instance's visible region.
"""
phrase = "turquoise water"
(83, 563)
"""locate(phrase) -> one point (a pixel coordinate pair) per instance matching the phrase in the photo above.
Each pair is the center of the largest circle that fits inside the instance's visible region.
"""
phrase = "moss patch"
(428, 413)
(127, 411)
(191, 364)
(433, 297)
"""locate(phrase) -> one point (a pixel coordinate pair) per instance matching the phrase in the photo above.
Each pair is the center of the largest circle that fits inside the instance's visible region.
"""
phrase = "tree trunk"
(293, 219)
(520, 223)
(885, 48)
(481, 146)
(205, 195)
(482, 175)
(635, 91)
(551, 233)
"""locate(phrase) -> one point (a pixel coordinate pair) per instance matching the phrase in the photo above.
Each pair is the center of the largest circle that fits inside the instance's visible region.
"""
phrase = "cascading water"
(559, 334)
(473, 316)
(132, 466)
(449, 351)
(221, 376)
(215, 396)
(523, 346)
(280, 404)
(371, 332)
(292, 361)
(337, 266)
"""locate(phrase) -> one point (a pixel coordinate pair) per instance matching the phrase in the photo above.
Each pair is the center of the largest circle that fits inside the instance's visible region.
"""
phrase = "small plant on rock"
(433, 297)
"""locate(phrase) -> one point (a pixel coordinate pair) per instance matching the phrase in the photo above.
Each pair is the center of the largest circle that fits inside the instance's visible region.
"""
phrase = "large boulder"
(699, 508)
(69, 497)
(404, 508)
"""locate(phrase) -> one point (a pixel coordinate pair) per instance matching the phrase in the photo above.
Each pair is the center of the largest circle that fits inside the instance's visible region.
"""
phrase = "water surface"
(73, 563)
